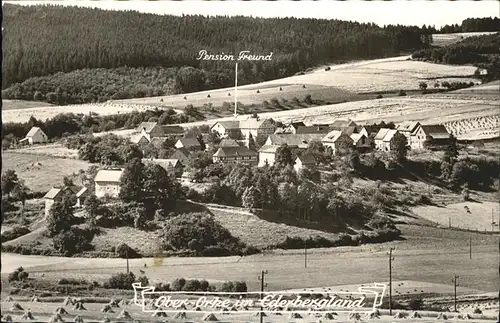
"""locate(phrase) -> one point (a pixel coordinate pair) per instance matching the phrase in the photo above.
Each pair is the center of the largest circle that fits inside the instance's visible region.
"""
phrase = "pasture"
(41, 172)
(466, 215)
(428, 255)
(448, 39)
(22, 104)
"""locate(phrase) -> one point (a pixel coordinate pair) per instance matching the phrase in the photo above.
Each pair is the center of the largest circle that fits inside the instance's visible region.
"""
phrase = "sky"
(417, 12)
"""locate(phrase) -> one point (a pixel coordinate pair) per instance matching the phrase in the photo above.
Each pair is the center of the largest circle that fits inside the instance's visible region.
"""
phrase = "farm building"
(139, 139)
(227, 129)
(290, 128)
(240, 154)
(430, 135)
(55, 194)
(182, 155)
(345, 125)
(299, 140)
(368, 131)
(172, 166)
(172, 131)
(229, 143)
(361, 142)
(188, 143)
(408, 129)
(257, 127)
(34, 136)
(302, 162)
(384, 138)
(323, 129)
(150, 130)
(267, 155)
(337, 141)
(107, 182)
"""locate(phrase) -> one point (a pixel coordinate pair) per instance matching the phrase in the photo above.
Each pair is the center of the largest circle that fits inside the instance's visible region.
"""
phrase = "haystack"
(7, 318)
(210, 317)
(469, 317)
(159, 314)
(124, 315)
(442, 316)
(415, 315)
(183, 307)
(35, 299)
(278, 313)
(197, 309)
(400, 315)
(107, 320)
(56, 318)
(258, 314)
(8, 299)
(114, 303)
(68, 301)
(107, 309)
(27, 316)
(16, 307)
(180, 315)
(328, 316)
(373, 315)
(459, 317)
(60, 310)
(78, 319)
(354, 316)
(295, 316)
(234, 309)
(79, 307)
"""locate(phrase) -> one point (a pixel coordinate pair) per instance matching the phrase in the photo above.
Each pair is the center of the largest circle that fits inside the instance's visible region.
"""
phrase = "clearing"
(40, 172)
(447, 39)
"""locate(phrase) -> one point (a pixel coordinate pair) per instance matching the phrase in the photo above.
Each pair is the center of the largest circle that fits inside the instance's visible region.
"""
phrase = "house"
(55, 194)
(337, 140)
(240, 154)
(188, 143)
(370, 131)
(305, 161)
(228, 143)
(407, 129)
(345, 125)
(139, 139)
(384, 138)
(267, 155)
(227, 129)
(35, 136)
(361, 142)
(182, 155)
(173, 166)
(107, 182)
(172, 131)
(257, 127)
(301, 141)
(150, 130)
(292, 127)
(323, 129)
(430, 135)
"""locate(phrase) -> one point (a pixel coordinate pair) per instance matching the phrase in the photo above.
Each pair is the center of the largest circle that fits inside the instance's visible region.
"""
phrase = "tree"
(67, 181)
(251, 143)
(92, 205)
(130, 152)
(9, 182)
(422, 86)
(60, 216)
(73, 241)
(451, 152)
(131, 182)
(251, 198)
(157, 186)
(284, 156)
(399, 147)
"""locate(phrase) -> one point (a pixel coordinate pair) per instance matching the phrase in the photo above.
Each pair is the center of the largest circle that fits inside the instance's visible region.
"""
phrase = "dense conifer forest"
(67, 55)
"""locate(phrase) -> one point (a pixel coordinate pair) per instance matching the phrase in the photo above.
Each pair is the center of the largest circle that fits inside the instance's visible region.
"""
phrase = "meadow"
(41, 172)
(448, 39)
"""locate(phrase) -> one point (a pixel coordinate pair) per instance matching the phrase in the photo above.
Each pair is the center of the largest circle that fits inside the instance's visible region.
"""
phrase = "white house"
(240, 154)
(337, 140)
(267, 155)
(361, 142)
(150, 130)
(35, 136)
(305, 161)
(107, 182)
(430, 134)
(227, 129)
(408, 129)
(384, 138)
(80, 193)
(188, 143)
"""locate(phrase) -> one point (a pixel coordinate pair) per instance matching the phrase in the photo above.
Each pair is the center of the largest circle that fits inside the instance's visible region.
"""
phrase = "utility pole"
(499, 276)
(126, 254)
(449, 222)
(470, 248)
(236, 90)
(390, 280)
(262, 285)
(455, 284)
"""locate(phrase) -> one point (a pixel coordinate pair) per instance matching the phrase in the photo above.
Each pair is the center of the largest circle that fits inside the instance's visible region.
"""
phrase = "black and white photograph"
(250, 161)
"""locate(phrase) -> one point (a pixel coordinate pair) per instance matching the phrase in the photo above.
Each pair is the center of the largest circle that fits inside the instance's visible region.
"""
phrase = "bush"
(477, 310)
(124, 251)
(178, 284)
(120, 281)
(143, 280)
(416, 304)
(401, 93)
(16, 232)
(18, 275)
(72, 281)
(74, 241)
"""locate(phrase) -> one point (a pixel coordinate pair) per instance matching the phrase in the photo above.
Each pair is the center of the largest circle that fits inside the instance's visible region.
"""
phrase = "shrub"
(401, 93)
(74, 241)
(16, 232)
(120, 281)
(178, 284)
(477, 310)
(72, 281)
(15, 275)
(143, 280)
(416, 304)
(192, 285)
(124, 251)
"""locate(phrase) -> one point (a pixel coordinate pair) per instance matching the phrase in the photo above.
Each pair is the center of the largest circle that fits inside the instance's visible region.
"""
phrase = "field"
(22, 104)
(467, 215)
(41, 172)
(447, 39)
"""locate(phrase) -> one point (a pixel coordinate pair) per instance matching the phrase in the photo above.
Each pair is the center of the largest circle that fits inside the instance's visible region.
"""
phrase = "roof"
(437, 131)
(370, 129)
(268, 149)
(357, 136)
(307, 159)
(137, 138)
(228, 143)
(148, 126)
(300, 140)
(231, 124)
(313, 129)
(52, 193)
(172, 130)
(82, 191)
(234, 151)
(182, 151)
(165, 163)
(339, 124)
(33, 131)
(332, 136)
(108, 175)
(382, 133)
(388, 136)
(255, 123)
(189, 142)
(408, 126)
(297, 124)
